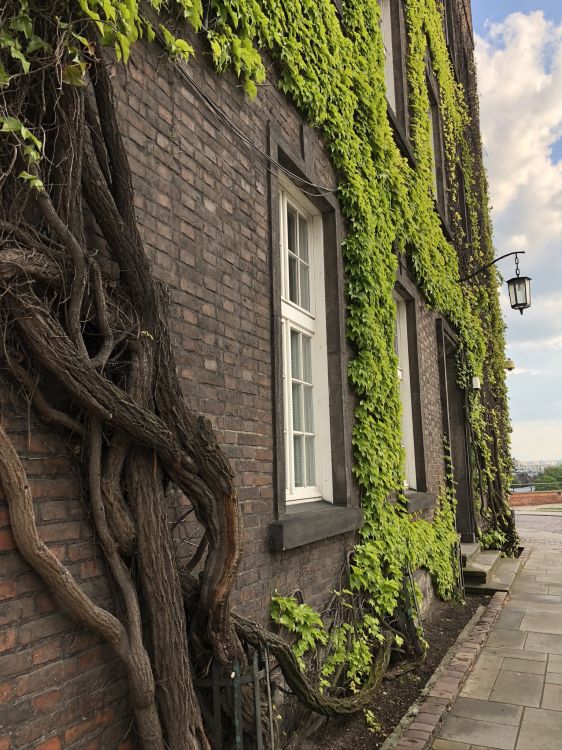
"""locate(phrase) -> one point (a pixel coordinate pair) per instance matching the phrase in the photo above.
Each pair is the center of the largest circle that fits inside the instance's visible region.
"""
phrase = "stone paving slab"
(542, 622)
(524, 665)
(518, 688)
(515, 654)
(510, 620)
(544, 643)
(540, 730)
(483, 677)
(552, 697)
(554, 663)
(497, 736)
(507, 638)
(498, 713)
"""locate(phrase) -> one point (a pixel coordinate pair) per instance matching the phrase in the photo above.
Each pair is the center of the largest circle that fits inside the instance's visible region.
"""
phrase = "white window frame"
(433, 145)
(313, 324)
(405, 386)
(388, 43)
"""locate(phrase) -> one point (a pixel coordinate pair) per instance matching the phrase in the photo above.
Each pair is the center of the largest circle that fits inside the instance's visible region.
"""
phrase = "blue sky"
(497, 10)
(519, 61)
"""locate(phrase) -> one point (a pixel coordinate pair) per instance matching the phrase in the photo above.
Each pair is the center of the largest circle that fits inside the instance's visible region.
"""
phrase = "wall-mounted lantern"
(519, 286)
(519, 290)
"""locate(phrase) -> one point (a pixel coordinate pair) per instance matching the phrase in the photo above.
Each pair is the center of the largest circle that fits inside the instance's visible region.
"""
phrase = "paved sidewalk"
(512, 700)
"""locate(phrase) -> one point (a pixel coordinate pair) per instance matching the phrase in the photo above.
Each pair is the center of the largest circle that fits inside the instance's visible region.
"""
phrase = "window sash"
(307, 443)
(433, 141)
(386, 27)
(407, 419)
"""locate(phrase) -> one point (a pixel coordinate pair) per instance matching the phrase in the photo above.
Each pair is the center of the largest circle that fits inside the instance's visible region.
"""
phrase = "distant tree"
(549, 479)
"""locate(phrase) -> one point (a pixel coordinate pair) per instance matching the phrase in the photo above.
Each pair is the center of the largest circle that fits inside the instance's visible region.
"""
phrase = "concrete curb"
(437, 702)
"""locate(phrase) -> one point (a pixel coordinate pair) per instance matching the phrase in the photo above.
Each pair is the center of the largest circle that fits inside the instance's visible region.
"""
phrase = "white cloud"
(520, 82)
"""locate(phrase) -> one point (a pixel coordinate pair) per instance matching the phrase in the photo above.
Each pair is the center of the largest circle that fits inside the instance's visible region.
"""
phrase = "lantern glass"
(519, 293)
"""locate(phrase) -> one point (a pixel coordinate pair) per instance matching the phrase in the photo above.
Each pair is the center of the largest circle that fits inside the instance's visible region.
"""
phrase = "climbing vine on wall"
(332, 68)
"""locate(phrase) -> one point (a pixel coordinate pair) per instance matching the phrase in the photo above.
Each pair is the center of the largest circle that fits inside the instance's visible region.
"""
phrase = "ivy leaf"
(177, 48)
(4, 77)
(73, 74)
(109, 10)
(88, 11)
(36, 43)
(18, 55)
(10, 125)
(32, 153)
(23, 25)
(27, 135)
(33, 181)
(122, 46)
(192, 12)
(150, 34)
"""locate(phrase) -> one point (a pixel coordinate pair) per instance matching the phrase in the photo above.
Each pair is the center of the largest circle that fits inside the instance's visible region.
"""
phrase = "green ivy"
(301, 621)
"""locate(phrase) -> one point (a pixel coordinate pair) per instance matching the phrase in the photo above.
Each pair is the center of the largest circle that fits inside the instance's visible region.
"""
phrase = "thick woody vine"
(85, 330)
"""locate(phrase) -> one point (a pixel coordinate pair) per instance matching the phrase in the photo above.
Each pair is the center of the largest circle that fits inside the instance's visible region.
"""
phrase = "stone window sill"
(418, 501)
(311, 522)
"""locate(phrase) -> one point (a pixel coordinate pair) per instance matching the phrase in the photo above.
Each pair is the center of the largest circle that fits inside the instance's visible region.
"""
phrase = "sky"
(519, 62)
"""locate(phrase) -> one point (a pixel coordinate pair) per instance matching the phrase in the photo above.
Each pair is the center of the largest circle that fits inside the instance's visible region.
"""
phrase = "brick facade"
(59, 686)
(528, 499)
(203, 205)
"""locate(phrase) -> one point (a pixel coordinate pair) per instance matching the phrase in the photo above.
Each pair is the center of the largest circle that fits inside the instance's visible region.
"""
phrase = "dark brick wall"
(203, 207)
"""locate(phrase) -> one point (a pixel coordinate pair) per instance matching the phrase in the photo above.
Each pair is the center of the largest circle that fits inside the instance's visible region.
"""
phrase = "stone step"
(501, 579)
(469, 552)
(481, 567)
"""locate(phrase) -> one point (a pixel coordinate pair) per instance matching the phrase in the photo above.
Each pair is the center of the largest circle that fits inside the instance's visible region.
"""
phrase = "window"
(305, 366)
(448, 25)
(339, 8)
(463, 210)
(394, 41)
(386, 27)
(404, 379)
(436, 145)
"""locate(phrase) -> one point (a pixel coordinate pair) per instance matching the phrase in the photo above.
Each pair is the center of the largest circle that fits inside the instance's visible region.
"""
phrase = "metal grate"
(217, 691)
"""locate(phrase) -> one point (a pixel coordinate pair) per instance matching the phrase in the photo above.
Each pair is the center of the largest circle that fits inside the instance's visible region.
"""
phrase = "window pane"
(305, 287)
(298, 458)
(293, 279)
(308, 410)
(432, 143)
(386, 20)
(306, 359)
(310, 468)
(295, 355)
(303, 239)
(291, 229)
(297, 407)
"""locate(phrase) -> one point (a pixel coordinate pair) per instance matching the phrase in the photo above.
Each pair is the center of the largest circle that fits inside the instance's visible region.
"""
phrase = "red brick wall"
(520, 499)
(59, 687)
